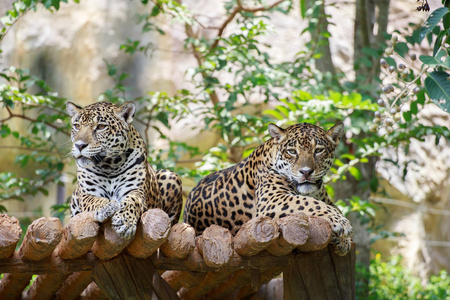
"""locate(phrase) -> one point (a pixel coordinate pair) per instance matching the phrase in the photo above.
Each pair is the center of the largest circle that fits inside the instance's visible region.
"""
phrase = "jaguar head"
(305, 154)
(99, 131)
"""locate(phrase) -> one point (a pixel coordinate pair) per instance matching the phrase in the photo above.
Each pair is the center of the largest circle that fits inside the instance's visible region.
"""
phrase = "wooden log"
(108, 243)
(152, 231)
(53, 264)
(126, 277)
(319, 235)
(230, 288)
(211, 280)
(179, 279)
(79, 235)
(294, 233)
(45, 286)
(271, 290)
(265, 276)
(41, 238)
(215, 246)
(321, 275)
(180, 242)
(74, 285)
(255, 235)
(12, 285)
(10, 233)
(93, 292)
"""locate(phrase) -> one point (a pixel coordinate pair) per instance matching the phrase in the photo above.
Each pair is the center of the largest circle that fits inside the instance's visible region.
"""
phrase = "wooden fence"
(83, 260)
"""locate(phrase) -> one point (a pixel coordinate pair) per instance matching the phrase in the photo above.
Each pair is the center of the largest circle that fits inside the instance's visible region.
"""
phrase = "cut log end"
(152, 231)
(215, 245)
(42, 236)
(10, 233)
(108, 243)
(294, 231)
(319, 236)
(181, 241)
(79, 235)
(255, 235)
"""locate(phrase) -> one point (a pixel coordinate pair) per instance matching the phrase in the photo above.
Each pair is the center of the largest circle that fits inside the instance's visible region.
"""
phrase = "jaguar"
(114, 179)
(282, 176)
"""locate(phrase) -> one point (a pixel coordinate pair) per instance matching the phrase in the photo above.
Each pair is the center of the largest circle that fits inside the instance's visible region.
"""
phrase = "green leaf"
(355, 173)
(432, 21)
(407, 116)
(437, 85)
(401, 48)
(303, 8)
(434, 61)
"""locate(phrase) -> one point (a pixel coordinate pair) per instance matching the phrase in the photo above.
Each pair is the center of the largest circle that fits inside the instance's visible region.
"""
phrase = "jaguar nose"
(306, 172)
(80, 145)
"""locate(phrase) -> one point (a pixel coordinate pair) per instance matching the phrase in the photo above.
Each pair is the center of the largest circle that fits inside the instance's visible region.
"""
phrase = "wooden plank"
(320, 275)
(92, 292)
(74, 285)
(126, 277)
(49, 265)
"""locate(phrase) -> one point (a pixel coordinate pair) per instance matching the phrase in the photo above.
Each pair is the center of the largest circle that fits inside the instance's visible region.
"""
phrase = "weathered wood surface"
(93, 292)
(109, 244)
(130, 278)
(10, 233)
(294, 232)
(214, 265)
(181, 241)
(215, 246)
(74, 285)
(151, 233)
(41, 238)
(320, 275)
(79, 235)
(255, 235)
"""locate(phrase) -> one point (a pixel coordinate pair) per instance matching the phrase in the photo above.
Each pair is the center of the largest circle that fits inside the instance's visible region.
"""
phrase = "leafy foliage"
(390, 280)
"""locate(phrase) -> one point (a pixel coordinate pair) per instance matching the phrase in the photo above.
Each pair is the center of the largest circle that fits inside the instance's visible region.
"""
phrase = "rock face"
(68, 48)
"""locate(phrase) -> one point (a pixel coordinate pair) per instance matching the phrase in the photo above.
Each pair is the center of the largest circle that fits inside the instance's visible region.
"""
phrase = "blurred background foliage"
(236, 89)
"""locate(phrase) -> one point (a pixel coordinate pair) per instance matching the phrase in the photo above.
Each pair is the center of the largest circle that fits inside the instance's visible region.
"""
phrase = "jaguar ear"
(72, 109)
(126, 111)
(336, 132)
(277, 133)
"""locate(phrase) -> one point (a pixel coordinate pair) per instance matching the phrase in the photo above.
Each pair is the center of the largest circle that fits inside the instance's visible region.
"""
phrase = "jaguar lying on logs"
(282, 176)
(114, 179)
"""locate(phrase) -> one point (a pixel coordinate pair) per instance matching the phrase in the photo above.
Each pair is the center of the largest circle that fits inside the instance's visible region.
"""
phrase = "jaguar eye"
(319, 150)
(292, 152)
(100, 127)
(76, 126)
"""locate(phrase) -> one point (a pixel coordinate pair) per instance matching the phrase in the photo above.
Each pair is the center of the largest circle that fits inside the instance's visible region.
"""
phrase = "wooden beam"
(320, 275)
(127, 277)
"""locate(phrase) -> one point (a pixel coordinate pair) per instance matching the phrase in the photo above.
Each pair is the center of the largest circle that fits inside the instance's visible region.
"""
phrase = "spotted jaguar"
(114, 179)
(282, 176)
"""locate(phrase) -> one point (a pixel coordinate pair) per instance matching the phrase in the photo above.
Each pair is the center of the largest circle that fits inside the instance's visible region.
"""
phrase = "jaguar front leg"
(125, 220)
(282, 200)
(103, 208)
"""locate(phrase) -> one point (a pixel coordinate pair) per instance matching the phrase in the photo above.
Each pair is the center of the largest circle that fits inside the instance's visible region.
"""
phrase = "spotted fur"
(113, 178)
(282, 176)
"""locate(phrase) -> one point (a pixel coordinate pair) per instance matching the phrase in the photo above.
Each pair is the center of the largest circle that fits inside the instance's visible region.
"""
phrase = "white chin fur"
(306, 188)
(84, 162)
